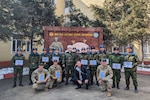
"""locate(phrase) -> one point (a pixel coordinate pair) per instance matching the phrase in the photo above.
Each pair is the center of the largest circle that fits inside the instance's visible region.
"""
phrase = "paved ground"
(69, 93)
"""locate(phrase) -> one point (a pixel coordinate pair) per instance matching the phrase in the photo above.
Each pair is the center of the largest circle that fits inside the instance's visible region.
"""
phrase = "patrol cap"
(34, 49)
(116, 48)
(87, 48)
(103, 60)
(129, 46)
(44, 49)
(69, 46)
(101, 46)
(92, 47)
(78, 50)
(82, 48)
(19, 49)
(51, 49)
(41, 64)
(55, 60)
(56, 49)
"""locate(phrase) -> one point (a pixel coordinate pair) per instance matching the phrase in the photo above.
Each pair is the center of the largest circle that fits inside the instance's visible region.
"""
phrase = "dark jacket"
(84, 73)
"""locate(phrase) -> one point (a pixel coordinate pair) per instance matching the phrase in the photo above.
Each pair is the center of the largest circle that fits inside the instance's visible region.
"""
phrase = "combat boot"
(136, 89)
(20, 84)
(118, 87)
(109, 94)
(127, 87)
(14, 85)
(113, 86)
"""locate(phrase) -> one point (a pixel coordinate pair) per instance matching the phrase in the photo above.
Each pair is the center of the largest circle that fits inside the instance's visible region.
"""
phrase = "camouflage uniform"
(102, 55)
(131, 57)
(35, 77)
(117, 59)
(106, 83)
(92, 68)
(83, 56)
(33, 63)
(17, 68)
(69, 61)
(46, 64)
(52, 70)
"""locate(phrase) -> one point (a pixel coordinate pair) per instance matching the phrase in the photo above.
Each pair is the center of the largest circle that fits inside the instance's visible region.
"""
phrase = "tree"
(76, 17)
(5, 23)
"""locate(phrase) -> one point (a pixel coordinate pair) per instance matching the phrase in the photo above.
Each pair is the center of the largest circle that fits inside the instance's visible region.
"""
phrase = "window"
(18, 43)
(147, 49)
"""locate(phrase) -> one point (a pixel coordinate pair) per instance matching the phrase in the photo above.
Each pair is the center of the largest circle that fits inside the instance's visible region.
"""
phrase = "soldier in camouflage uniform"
(130, 56)
(33, 63)
(104, 75)
(92, 68)
(51, 51)
(68, 62)
(83, 55)
(43, 56)
(116, 62)
(40, 78)
(54, 78)
(102, 54)
(18, 61)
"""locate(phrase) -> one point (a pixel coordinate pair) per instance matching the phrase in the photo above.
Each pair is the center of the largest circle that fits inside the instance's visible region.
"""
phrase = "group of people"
(54, 66)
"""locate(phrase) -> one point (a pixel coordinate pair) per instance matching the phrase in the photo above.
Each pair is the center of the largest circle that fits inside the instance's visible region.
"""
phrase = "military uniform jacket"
(58, 55)
(83, 56)
(18, 57)
(132, 57)
(36, 74)
(102, 55)
(115, 58)
(52, 70)
(69, 59)
(92, 57)
(33, 60)
(108, 72)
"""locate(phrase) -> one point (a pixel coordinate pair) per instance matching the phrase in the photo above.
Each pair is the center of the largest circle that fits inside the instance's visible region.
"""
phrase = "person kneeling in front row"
(81, 75)
(55, 74)
(40, 78)
(105, 74)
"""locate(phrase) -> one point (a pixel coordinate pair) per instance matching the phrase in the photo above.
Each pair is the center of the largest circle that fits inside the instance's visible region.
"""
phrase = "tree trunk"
(142, 49)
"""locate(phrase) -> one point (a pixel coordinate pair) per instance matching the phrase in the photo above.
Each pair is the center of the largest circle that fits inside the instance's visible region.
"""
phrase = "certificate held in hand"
(116, 66)
(41, 77)
(57, 74)
(102, 74)
(84, 62)
(19, 62)
(128, 64)
(55, 58)
(93, 62)
(45, 59)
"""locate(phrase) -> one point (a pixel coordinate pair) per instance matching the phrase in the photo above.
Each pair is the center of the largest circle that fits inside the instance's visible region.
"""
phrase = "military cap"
(19, 49)
(44, 49)
(78, 50)
(55, 60)
(51, 48)
(82, 48)
(129, 46)
(116, 48)
(34, 49)
(103, 60)
(41, 64)
(88, 48)
(56, 49)
(74, 48)
(69, 46)
(92, 47)
(101, 46)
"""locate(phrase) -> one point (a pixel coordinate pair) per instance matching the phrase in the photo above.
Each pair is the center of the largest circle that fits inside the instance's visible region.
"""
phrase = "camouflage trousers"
(131, 73)
(116, 75)
(30, 73)
(41, 85)
(69, 70)
(52, 82)
(106, 85)
(18, 71)
(93, 73)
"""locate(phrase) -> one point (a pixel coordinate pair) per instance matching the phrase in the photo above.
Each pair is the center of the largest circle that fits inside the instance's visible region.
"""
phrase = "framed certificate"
(18, 62)
(84, 62)
(127, 64)
(116, 66)
(57, 74)
(55, 58)
(93, 62)
(107, 61)
(41, 77)
(102, 74)
(45, 59)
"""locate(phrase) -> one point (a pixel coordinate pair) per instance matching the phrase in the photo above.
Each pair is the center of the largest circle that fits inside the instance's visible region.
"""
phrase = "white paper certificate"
(116, 66)
(45, 59)
(55, 58)
(107, 61)
(93, 62)
(41, 77)
(19, 62)
(128, 64)
(57, 74)
(102, 74)
(84, 62)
